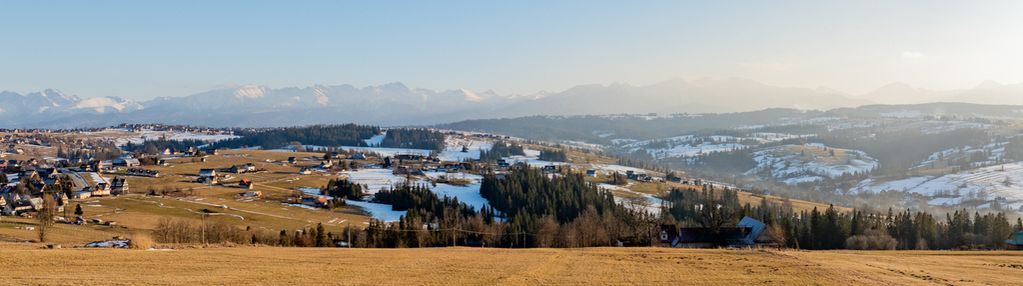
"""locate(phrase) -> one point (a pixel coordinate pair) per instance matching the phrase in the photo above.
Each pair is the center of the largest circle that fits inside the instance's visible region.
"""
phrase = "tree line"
(501, 149)
(835, 229)
(322, 135)
(416, 138)
(528, 208)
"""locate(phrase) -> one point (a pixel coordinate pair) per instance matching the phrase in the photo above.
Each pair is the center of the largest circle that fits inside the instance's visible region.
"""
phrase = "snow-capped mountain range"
(397, 104)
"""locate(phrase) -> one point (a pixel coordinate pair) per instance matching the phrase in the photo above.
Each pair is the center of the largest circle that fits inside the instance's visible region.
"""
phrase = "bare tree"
(46, 213)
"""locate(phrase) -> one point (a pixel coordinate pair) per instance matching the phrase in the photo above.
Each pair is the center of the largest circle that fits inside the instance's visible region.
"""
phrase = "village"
(254, 187)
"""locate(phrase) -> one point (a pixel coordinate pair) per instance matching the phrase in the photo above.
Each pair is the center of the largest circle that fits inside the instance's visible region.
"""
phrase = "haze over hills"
(987, 92)
(397, 104)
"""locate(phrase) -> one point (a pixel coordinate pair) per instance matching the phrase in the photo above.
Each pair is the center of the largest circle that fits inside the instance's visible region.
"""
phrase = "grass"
(139, 214)
(25, 264)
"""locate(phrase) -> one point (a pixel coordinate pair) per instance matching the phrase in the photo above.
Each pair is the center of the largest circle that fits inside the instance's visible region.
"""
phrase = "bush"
(871, 240)
(141, 240)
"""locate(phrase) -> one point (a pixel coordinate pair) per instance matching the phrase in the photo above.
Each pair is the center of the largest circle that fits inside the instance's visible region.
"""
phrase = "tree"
(46, 214)
(78, 210)
(321, 236)
(284, 239)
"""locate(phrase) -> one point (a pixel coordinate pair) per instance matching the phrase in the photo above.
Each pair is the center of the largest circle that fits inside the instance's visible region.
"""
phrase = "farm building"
(747, 233)
(245, 184)
(208, 176)
(1015, 241)
(119, 186)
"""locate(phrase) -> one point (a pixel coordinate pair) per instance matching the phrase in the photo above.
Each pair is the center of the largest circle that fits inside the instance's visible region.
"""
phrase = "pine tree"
(321, 236)
(284, 239)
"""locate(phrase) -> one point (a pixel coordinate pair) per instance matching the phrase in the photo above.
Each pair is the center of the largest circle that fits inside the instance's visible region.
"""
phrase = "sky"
(144, 49)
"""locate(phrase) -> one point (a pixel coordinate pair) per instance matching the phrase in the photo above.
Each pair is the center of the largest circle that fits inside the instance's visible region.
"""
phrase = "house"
(101, 189)
(756, 228)
(1015, 241)
(315, 201)
(245, 184)
(119, 186)
(358, 156)
(409, 157)
(550, 169)
(591, 173)
(126, 161)
(630, 174)
(80, 195)
(291, 160)
(103, 165)
(305, 171)
(453, 167)
(62, 200)
(246, 168)
(326, 164)
(748, 232)
(404, 170)
(208, 176)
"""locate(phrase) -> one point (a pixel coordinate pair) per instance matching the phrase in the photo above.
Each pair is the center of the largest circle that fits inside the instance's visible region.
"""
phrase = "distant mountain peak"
(989, 84)
(250, 91)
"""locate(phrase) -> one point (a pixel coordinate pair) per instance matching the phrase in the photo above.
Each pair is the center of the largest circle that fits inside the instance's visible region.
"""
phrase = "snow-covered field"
(793, 164)
(378, 211)
(377, 179)
(376, 139)
(453, 148)
(388, 152)
(685, 146)
(608, 169)
(993, 152)
(374, 179)
(381, 212)
(180, 136)
(122, 137)
(113, 243)
(692, 146)
(651, 205)
(532, 161)
(1000, 181)
(938, 126)
(468, 194)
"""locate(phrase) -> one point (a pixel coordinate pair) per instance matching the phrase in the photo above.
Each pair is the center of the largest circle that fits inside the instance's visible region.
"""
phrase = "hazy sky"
(143, 49)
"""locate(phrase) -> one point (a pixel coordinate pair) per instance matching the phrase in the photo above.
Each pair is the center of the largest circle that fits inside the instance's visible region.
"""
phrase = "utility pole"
(204, 228)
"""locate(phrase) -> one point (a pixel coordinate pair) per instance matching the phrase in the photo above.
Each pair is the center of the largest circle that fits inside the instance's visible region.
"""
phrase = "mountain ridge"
(395, 103)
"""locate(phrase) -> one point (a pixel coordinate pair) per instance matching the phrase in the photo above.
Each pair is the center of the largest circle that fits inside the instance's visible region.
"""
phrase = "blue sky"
(144, 49)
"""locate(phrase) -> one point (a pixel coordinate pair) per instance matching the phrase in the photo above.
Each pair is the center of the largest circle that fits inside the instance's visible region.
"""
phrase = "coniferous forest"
(322, 135)
(501, 149)
(553, 155)
(415, 138)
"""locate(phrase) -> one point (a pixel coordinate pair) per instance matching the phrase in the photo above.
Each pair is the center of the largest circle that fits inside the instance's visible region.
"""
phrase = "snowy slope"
(988, 183)
(793, 164)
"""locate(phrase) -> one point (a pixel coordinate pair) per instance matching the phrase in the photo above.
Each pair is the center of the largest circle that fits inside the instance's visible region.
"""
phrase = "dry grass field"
(25, 264)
